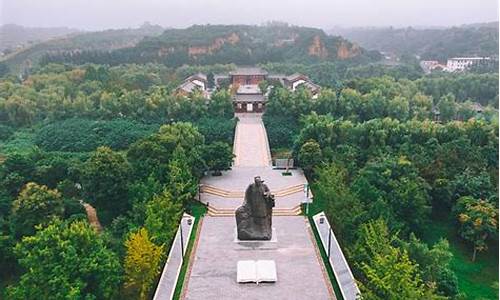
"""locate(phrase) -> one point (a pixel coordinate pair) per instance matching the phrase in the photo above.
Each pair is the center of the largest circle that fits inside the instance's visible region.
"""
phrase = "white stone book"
(256, 271)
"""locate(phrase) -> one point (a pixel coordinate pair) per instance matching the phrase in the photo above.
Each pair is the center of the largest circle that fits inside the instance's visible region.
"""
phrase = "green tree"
(180, 181)
(447, 108)
(221, 105)
(142, 264)
(36, 204)
(343, 209)
(310, 155)
(218, 157)
(162, 218)
(387, 271)
(478, 221)
(66, 261)
(105, 182)
(434, 264)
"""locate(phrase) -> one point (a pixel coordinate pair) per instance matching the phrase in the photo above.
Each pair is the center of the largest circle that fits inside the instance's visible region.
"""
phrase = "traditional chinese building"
(293, 81)
(249, 98)
(244, 82)
(243, 76)
(192, 83)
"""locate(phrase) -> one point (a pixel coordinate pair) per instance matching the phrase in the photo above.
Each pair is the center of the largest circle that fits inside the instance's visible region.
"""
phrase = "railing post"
(329, 239)
(182, 241)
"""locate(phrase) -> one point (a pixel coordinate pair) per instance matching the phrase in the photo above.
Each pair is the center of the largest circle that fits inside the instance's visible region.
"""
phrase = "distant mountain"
(106, 40)
(240, 44)
(14, 36)
(468, 40)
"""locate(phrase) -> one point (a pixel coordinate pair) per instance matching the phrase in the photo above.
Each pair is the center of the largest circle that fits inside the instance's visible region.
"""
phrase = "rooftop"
(188, 86)
(249, 89)
(468, 58)
(295, 77)
(200, 76)
(248, 71)
(249, 97)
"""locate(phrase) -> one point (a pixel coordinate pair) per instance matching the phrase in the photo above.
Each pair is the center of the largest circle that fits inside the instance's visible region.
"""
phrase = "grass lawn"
(476, 280)
(197, 210)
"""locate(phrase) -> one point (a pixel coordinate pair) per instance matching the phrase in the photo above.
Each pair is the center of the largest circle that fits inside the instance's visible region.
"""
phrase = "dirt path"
(92, 216)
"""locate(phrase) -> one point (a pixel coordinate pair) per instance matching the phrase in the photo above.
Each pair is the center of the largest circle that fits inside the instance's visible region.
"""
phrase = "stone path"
(251, 146)
(300, 270)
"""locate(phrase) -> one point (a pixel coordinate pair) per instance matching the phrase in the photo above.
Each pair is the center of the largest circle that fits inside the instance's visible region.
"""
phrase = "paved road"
(250, 146)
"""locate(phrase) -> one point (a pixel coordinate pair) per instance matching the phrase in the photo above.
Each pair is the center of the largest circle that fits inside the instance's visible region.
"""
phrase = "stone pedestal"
(255, 245)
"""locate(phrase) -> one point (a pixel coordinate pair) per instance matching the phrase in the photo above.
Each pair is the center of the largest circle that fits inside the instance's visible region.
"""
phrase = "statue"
(253, 218)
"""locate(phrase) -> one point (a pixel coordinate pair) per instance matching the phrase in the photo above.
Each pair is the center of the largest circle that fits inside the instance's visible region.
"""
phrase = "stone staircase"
(213, 190)
(229, 212)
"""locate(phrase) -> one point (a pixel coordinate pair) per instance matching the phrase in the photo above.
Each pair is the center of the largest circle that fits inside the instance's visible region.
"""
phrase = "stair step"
(209, 189)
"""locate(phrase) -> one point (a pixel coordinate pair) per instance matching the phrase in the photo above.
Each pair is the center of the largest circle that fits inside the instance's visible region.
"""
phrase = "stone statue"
(253, 218)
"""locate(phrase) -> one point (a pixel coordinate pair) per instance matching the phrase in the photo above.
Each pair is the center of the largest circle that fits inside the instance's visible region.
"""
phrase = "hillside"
(14, 36)
(106, 40)
(240, 44)
(468, 40)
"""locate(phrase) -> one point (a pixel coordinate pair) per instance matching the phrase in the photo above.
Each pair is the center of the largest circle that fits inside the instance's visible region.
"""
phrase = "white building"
(461, 63)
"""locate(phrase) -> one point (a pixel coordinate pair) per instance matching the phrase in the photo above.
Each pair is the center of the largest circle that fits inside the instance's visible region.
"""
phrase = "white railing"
(336, 258)
(170, 274)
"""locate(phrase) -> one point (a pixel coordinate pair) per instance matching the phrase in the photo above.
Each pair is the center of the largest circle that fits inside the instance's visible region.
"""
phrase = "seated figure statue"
(253, 218)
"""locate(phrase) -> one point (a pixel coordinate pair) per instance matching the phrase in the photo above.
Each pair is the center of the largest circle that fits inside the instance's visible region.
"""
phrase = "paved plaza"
(300, 271)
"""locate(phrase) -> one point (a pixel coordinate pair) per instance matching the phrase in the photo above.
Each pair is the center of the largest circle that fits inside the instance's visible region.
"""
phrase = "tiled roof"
(296, 76)
(248, 71)
(249, 98)
(200, 76)
(249, 89)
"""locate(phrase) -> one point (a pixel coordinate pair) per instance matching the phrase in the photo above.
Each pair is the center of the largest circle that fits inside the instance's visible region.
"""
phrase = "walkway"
(299, 273)
(251, 146)
(300, 270)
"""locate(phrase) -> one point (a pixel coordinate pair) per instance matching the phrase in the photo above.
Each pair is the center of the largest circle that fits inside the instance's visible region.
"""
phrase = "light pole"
(306, 192)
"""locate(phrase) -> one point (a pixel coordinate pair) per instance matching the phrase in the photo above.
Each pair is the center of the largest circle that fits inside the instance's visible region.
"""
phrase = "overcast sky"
(101, 14)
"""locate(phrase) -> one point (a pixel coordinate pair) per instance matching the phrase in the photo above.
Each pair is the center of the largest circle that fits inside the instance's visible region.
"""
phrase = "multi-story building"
(462, 63)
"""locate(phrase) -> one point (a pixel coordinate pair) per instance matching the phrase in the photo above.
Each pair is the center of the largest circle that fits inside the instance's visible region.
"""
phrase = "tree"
(66, 261)
(36, 204)
(162, 218)
(221, 105)
(180, 181)
(387, 271)
(310, 155)
(343, 209)
(218, 157)
(105, 182)
(434, 264)
(142, 263)
(447, 108)
(478, 221)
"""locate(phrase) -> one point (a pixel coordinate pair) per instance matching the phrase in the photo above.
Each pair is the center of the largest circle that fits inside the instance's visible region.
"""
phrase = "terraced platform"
(300, 270)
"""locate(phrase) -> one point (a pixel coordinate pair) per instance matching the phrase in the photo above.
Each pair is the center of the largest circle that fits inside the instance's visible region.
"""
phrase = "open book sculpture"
(254, 217)
(256, 271)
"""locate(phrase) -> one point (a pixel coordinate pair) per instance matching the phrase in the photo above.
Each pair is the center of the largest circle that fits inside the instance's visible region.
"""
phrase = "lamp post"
(306, 192)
